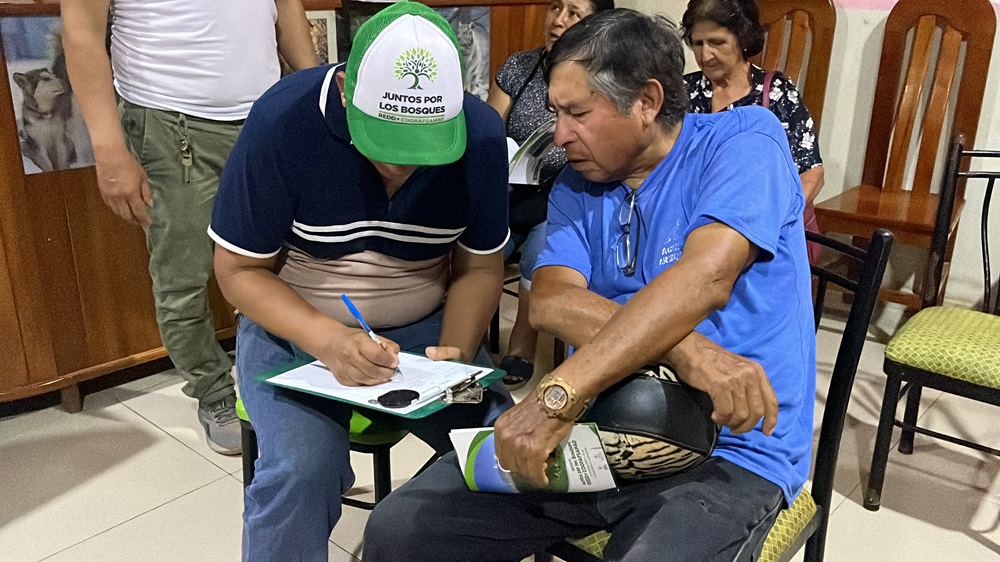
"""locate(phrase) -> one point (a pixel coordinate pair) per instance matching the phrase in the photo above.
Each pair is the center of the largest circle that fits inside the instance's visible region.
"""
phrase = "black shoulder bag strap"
(534, 70)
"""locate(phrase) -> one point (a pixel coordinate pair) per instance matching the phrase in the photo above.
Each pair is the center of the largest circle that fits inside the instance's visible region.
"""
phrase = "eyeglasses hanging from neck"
(627, 248)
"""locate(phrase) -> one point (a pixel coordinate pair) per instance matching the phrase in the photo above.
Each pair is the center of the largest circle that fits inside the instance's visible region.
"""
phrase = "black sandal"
(519, 371)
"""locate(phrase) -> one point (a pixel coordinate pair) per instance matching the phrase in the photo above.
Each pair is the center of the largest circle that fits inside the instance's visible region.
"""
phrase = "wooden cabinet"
(75, 294)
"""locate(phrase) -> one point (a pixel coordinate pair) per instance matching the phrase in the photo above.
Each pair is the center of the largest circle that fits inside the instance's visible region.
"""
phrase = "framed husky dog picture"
(50, 127)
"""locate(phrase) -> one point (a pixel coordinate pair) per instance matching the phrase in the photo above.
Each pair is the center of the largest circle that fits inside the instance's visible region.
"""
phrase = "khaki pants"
(183, 157)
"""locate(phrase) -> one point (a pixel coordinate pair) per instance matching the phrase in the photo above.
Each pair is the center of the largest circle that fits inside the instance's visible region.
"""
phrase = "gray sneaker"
(222, 427)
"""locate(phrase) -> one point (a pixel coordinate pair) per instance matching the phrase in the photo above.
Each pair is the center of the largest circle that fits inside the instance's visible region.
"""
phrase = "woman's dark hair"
(601, 5)
(621, 51)
(738, 16)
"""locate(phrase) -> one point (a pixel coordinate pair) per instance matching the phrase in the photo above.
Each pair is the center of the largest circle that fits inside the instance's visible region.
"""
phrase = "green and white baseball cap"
(404, 88)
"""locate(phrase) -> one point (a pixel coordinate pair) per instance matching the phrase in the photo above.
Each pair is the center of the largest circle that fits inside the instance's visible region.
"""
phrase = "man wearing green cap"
(381, 180)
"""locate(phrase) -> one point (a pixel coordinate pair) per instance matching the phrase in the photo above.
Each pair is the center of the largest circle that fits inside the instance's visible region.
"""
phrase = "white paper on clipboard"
(428, 377)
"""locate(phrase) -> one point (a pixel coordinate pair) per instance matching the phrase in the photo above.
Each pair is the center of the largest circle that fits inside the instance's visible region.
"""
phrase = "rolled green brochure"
(578, 464)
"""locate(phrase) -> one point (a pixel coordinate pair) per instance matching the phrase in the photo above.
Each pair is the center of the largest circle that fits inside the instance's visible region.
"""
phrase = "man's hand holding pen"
(357, 360)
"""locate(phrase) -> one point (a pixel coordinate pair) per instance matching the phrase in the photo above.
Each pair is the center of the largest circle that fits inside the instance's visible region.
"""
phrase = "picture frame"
(323, 28)
(51, 132)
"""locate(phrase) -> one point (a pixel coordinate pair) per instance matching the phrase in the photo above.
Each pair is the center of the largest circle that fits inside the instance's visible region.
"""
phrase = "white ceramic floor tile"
(84, 473)
(861, 423)
(167, 407)
(965, 419)
(407, 457)
(148, 382)
(203, 525)
(941, 464)
(350, 530)
(922, 519)
(338, 554)
(11, 426)
(238, 475)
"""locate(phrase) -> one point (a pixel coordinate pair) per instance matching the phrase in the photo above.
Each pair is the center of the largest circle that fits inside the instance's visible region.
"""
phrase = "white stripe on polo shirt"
(324, 91)
(377, 224)
(336, 234)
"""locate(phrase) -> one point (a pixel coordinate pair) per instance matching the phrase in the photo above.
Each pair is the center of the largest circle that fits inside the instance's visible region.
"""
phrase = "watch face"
(555, 397)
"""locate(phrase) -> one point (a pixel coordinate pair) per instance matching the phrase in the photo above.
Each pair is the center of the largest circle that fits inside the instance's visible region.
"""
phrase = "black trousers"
(716, 511)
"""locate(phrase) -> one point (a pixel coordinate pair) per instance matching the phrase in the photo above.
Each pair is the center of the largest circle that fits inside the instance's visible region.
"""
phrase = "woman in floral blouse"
(723, 35)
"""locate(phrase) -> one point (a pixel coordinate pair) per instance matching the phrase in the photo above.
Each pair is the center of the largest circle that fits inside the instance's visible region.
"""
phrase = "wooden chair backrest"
(921, 49)
(524, 27)
(795, 29)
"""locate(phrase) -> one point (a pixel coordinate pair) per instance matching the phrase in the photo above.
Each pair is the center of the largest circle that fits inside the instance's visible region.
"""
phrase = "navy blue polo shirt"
(294, 179)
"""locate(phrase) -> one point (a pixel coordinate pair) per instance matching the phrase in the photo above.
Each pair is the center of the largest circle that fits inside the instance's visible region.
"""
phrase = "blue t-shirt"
(734, 168)
(294, 179)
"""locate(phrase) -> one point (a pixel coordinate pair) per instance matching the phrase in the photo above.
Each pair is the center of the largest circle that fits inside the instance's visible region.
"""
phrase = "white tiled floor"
(130, 478)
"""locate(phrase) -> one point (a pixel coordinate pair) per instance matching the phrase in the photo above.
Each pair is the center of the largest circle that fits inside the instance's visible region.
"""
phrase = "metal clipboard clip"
(468, 391)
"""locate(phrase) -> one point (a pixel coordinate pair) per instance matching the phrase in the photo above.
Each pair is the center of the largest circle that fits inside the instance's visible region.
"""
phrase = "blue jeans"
(304, 466)
(716, 511)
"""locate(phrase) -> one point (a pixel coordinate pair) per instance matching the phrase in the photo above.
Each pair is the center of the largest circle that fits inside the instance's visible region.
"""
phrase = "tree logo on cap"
(416, 62)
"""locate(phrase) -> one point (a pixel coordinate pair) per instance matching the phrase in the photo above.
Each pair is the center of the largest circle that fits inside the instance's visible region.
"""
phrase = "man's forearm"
(571, 313)
(649, 326)
(473, 297)
(663, 312)
(270, 302)
(576, 314)
(294, 39)
(84, 28)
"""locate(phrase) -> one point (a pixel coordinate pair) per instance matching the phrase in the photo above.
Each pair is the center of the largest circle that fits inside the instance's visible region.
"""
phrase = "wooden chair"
(806, 520)
(798, 43)
(953, 350)
(932, 75)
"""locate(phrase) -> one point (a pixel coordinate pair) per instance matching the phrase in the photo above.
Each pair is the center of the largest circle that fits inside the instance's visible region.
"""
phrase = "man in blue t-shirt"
(675, 238)
(383, 181)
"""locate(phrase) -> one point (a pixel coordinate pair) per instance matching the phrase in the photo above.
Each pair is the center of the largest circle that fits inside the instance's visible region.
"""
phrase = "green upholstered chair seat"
(789, 525)
(241, 411)
(367, 432)
(363, 430)
(953, 342)
(593, 544)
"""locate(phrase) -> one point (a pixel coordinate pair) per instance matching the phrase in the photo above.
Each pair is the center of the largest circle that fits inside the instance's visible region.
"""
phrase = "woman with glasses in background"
(521, 97)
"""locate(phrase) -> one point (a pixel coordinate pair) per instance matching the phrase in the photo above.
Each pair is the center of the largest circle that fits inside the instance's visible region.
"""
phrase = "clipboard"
(437, 383)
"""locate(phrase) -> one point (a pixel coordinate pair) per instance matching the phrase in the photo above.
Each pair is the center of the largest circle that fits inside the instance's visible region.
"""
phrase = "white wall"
(845, 131)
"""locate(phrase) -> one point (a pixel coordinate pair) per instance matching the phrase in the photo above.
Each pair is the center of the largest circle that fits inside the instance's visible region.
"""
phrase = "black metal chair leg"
(816, 545)
(383, 473)
(248, 440)
(910, 419)
(495, 332)
(880, 455)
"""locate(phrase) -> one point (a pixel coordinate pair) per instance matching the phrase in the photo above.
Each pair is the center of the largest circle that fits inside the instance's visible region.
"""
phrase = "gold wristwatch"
(558, 399)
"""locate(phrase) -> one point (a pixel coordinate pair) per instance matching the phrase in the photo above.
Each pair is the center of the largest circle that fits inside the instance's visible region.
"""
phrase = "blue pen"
(364, 325)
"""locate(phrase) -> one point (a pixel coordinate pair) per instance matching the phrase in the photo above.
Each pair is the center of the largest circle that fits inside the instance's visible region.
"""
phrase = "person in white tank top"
(185, 73)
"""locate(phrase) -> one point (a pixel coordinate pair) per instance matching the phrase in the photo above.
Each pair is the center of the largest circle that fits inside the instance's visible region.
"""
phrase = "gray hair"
(622, 50)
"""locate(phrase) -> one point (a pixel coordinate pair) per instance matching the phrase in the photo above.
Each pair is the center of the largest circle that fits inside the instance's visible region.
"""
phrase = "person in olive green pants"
(163, 112)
